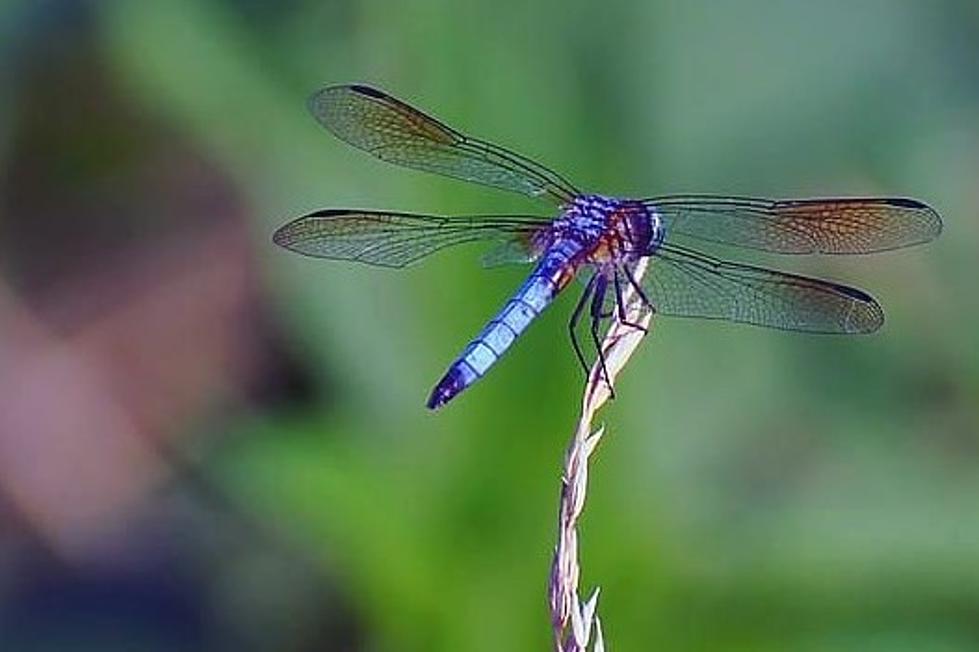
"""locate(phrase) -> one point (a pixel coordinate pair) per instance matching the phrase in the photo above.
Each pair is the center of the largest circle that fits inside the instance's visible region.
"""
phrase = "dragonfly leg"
(576, 318)
(598, 299)
(637, 288)
(620, 305)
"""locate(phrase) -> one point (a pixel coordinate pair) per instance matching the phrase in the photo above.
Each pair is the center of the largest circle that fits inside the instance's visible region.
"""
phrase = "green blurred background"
(207, 443)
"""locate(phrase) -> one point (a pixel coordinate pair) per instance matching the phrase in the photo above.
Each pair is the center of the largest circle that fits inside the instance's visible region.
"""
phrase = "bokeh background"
(207, 443)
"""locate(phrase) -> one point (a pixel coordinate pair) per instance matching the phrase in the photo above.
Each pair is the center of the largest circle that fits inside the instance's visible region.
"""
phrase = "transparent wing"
(800, 226)
(395, 239)
(685, 283)
(391, 130)
(516, 250)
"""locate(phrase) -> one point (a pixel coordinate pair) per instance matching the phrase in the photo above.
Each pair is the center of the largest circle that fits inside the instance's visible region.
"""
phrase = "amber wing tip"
(931, 224)
(284, 236)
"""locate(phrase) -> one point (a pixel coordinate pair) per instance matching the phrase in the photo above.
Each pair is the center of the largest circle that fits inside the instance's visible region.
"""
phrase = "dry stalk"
(576, 623)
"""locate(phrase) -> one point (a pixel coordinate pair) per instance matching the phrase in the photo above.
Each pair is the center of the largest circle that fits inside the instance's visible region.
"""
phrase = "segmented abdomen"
(537, 292)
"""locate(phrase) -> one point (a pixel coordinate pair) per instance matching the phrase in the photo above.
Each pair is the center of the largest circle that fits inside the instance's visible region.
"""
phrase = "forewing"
(391, 130)
(684, 283)
(800, 226)
(394, 239)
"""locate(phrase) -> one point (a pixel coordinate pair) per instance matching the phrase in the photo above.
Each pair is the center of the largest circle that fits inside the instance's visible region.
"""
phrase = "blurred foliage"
(757, 490)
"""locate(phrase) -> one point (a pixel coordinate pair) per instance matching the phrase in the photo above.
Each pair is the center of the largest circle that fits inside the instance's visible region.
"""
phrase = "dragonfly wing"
(395, 239)
(800, 226)
(391, 130)
(520, 249)
(685, 283)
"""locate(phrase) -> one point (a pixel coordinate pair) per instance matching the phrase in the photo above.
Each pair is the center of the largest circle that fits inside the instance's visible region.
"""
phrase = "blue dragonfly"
(600, 238)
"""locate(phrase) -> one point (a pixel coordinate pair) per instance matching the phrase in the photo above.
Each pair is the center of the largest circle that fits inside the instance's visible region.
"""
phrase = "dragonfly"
(599, 238)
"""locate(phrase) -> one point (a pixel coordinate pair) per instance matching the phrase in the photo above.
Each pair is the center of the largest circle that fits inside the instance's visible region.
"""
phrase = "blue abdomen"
(537, 292)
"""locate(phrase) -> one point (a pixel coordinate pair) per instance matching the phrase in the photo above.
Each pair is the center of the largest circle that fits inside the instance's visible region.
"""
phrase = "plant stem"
(574, 622)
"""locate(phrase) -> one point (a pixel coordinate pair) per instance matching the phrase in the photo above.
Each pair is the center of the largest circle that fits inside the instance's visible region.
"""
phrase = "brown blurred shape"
(130, 311)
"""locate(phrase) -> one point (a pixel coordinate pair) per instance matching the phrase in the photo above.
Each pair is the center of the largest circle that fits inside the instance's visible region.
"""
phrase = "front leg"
(637, 288)
(620, 305)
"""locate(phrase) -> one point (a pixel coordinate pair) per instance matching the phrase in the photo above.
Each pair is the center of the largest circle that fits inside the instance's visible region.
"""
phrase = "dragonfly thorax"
(610, 230)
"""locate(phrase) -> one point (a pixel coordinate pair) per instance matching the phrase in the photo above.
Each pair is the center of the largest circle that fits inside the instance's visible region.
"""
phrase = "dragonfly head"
(639, 228)
(634, 229)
